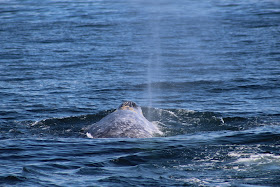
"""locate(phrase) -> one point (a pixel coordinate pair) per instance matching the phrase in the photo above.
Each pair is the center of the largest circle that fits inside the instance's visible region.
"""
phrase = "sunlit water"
(206, 72)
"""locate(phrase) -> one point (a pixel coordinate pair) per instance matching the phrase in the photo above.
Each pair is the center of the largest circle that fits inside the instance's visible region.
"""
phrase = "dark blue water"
(206, 72)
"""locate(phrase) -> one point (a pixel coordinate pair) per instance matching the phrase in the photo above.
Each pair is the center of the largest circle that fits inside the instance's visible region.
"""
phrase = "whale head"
(129, 105)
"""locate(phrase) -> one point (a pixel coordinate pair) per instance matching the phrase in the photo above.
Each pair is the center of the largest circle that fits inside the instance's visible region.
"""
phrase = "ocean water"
(206, 72)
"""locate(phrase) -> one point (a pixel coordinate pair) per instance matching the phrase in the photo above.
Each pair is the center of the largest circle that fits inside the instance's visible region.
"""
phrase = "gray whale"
(126, 122)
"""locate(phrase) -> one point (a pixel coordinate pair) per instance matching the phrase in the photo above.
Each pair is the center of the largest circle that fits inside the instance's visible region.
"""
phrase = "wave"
(215, 85)
(193, 141)
(172, 122)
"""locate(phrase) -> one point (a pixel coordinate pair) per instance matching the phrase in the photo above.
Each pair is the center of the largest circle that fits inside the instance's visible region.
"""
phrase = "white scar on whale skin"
(126, 122)
(89, 135)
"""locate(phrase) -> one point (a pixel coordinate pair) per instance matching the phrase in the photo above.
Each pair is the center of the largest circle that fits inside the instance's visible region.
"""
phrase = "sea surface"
(206, 72)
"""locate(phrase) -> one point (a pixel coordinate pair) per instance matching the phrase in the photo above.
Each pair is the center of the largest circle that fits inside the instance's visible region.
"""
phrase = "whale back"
(123, 123)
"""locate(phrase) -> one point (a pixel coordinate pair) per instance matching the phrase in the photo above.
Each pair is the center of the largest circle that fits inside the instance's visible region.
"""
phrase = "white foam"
(263, 158)
(261, 161)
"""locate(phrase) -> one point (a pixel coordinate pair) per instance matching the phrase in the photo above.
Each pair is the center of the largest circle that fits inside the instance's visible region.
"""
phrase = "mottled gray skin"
(126, 122)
